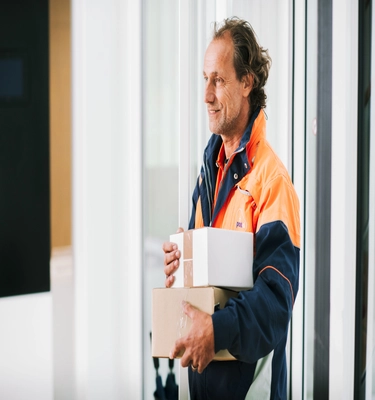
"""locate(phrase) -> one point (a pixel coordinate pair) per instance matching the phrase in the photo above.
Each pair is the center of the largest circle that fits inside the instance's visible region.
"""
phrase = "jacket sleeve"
(252, 325)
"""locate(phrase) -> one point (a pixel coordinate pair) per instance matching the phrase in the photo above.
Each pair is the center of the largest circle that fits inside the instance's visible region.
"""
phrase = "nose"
(209, 93)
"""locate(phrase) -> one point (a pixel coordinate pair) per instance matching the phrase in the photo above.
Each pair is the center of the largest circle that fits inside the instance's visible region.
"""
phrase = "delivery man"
(243, 185)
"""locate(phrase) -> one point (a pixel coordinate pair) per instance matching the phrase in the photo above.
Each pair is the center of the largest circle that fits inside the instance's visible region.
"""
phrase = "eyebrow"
(212, 73)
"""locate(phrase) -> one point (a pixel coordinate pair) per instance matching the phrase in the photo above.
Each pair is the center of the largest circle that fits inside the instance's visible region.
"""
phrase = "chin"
(215, 128)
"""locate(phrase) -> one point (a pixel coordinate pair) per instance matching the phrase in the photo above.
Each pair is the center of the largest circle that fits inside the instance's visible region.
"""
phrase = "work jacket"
(251, 192)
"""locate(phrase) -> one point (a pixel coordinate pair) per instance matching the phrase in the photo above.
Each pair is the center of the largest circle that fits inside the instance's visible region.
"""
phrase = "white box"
(215, 257)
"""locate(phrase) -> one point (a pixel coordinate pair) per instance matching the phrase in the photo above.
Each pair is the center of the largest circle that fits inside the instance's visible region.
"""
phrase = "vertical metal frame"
(296, 370)
(184, 142)
(323, 214)
(364, 206)
(184, 112)
(370, 365)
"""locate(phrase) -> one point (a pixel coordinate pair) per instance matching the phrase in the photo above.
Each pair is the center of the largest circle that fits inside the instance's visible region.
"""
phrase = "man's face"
(225, 96)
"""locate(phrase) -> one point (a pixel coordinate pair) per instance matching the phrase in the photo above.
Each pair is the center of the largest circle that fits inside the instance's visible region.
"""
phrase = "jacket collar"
(237, 168)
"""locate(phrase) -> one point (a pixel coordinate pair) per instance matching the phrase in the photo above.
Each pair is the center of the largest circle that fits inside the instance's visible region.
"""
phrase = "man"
(242, 186)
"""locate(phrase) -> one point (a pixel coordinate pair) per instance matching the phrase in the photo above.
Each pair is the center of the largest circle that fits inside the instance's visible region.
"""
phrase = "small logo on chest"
(240, 219)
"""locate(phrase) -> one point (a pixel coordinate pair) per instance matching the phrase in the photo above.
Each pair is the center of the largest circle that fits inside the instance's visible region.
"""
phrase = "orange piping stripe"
(291, 289)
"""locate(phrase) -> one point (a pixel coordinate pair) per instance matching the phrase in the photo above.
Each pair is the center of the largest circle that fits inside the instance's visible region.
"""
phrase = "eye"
(218, 80)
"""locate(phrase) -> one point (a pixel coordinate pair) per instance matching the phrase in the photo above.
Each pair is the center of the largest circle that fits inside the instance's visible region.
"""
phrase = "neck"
(232, 140)
(230, 144)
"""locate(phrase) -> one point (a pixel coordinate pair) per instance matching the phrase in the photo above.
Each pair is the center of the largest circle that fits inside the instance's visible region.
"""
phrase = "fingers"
(169, 280)
(177, 350)
(169, 247)
(181, 349)
(187, 360)
(171, 260)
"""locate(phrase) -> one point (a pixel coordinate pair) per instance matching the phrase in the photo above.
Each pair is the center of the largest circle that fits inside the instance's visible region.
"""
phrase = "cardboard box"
(170, 323)
(214, 257)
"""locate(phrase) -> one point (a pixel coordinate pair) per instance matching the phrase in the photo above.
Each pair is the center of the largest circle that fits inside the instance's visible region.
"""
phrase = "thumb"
(179, 230)
(188, 309)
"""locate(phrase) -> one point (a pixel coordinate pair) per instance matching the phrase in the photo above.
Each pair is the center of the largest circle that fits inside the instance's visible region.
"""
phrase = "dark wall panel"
(24, 148)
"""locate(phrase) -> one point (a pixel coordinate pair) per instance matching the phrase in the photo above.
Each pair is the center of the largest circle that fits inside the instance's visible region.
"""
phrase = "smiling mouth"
(212, 112)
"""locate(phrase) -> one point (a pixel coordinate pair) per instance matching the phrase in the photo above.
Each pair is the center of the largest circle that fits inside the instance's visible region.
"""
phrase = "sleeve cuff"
(221, 321)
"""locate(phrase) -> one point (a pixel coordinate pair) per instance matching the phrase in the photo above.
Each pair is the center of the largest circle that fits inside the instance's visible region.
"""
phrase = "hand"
(171, 260)
(198, 345)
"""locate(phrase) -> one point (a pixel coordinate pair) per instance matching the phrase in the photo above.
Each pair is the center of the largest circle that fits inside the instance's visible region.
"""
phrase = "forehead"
(219, 56)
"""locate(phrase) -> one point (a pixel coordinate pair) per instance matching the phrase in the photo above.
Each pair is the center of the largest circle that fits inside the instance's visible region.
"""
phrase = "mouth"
(212, 112)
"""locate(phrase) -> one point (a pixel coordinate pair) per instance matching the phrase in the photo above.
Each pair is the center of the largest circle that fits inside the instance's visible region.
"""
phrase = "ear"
(247, 81)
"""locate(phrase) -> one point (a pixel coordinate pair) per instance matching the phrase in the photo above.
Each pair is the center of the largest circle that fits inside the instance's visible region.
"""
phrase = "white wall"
(26, 360)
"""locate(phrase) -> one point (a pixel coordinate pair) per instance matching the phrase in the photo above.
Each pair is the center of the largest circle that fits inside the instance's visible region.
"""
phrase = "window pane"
(160, 156)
